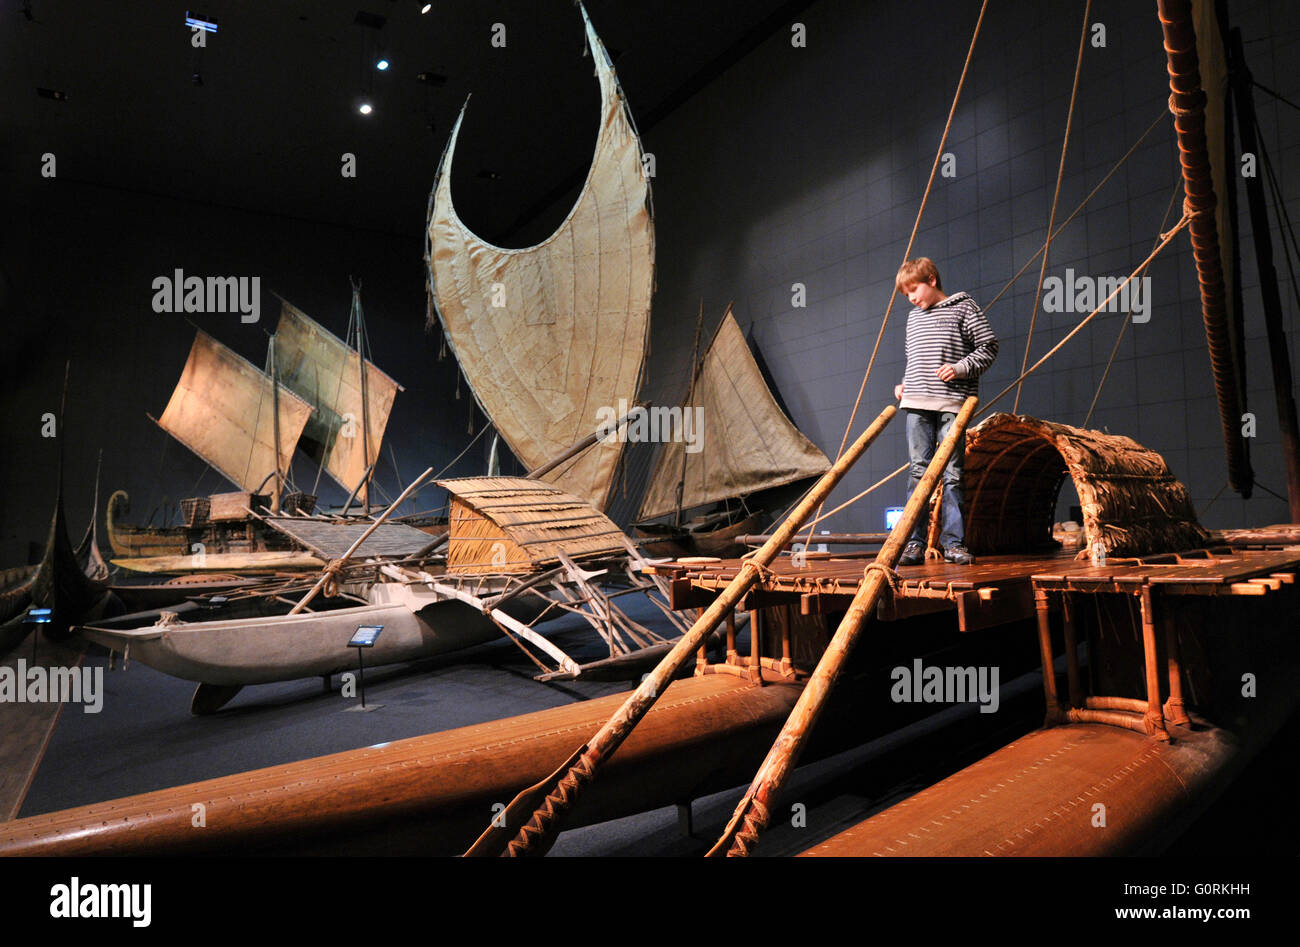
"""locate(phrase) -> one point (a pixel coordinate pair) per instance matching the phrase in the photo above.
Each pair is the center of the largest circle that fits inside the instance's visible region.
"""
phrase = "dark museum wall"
(82, 284)
(807, 165)
(795, 165)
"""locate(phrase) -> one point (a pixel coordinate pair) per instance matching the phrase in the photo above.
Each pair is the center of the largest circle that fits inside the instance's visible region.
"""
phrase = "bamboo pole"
(1155, 718)
(536, 812)
(754, 810)
(334, 566)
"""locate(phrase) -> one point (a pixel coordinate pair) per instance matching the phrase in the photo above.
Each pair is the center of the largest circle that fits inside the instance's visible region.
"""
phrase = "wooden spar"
(275, 423)
(690, 392)
(549, 800)
(357, 489)
(1263, 238)
(831, 539)
(328, 572)
(1187, 102)
(1282, 535)
(582, 445)
(365, 398)
(754, 810)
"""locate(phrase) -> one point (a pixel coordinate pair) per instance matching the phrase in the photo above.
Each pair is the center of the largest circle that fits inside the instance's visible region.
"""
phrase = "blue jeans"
(925, 431)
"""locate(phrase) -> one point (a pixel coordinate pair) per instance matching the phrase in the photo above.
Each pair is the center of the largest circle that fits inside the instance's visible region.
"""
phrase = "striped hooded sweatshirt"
(953, 331)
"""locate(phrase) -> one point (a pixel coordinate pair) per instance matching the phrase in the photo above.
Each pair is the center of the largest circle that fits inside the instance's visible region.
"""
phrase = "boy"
(949, 345)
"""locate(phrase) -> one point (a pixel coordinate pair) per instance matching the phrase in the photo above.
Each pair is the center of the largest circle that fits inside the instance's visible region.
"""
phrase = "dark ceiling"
(281, 82)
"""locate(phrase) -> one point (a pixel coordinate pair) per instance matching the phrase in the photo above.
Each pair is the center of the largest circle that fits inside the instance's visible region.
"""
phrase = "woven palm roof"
(534, 522)
(1015, 465)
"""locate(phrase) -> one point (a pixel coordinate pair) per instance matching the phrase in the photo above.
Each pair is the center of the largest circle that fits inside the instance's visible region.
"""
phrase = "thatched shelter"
(1015, 465)
(513, 524)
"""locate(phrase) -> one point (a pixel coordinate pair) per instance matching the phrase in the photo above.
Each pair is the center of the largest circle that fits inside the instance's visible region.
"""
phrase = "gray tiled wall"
(807, 165)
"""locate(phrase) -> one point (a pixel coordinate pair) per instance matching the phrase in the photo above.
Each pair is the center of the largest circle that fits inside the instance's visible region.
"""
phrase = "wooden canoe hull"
(287, 647)
(1038, 797)
(273, 561)
(433, 794)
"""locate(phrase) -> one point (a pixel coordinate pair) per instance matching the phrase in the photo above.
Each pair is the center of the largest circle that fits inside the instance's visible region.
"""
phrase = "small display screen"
(892, 515)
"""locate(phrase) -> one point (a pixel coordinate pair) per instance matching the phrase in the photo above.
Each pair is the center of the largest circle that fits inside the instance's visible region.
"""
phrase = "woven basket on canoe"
(1015, 466)
(513, 524)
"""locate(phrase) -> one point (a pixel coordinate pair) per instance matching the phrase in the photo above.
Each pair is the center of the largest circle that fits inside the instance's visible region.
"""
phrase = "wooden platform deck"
(994, 590)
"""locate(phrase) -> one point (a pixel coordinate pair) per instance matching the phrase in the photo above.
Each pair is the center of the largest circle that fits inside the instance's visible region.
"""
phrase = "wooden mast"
(686, 406)
(1283, 384)
(275, 423)
(359, 319)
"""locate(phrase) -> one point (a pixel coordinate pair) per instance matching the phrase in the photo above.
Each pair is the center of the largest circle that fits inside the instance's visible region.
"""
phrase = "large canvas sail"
(222, 409)
(748, 443)
(317, 365)
(549, 335)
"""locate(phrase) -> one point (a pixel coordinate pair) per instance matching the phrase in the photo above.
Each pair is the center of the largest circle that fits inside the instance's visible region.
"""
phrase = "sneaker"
(913, 554)
(959, 554)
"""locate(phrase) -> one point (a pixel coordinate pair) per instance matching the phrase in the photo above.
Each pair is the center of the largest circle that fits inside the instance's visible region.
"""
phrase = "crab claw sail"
(551, 337)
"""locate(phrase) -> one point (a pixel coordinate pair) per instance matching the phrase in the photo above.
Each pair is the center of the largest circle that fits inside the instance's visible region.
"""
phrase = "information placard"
(365, 636)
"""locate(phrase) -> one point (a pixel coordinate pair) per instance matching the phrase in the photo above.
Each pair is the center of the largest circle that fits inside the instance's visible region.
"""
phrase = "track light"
(365, 108)
(382, 64)
(426, 8)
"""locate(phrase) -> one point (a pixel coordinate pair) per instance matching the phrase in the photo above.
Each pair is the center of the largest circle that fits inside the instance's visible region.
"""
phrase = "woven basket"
(194, 510)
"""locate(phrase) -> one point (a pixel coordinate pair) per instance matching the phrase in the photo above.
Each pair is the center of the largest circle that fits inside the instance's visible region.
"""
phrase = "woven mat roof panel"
(332, 540)
(540, 518)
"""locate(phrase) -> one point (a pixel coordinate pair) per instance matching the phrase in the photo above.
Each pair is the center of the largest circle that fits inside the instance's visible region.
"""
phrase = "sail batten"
(326, 373)
(222, 410)
(551, 335)
(745, 443)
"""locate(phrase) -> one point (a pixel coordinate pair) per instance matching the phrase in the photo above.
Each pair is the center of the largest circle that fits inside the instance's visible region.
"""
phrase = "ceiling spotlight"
(365, 108)
(426, 8)
(382, 64)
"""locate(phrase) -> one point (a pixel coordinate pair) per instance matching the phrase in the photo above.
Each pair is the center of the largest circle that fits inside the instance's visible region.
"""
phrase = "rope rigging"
(1056, 196)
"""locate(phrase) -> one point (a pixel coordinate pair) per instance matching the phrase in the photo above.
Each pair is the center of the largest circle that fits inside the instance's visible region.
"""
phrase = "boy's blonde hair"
(920, 270)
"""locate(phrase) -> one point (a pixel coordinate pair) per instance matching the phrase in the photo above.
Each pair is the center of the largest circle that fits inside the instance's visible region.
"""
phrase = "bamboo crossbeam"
(831, 539)
(754, 811)
(545, 804)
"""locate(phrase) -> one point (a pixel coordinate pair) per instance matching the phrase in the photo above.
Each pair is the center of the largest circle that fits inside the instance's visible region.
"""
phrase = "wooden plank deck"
(994, 590)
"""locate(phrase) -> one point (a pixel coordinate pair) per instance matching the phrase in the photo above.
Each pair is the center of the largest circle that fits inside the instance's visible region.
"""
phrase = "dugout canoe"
(224, 655)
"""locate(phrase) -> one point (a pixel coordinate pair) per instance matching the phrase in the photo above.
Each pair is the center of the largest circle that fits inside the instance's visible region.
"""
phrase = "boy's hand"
(946, 372)
(898, 392)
